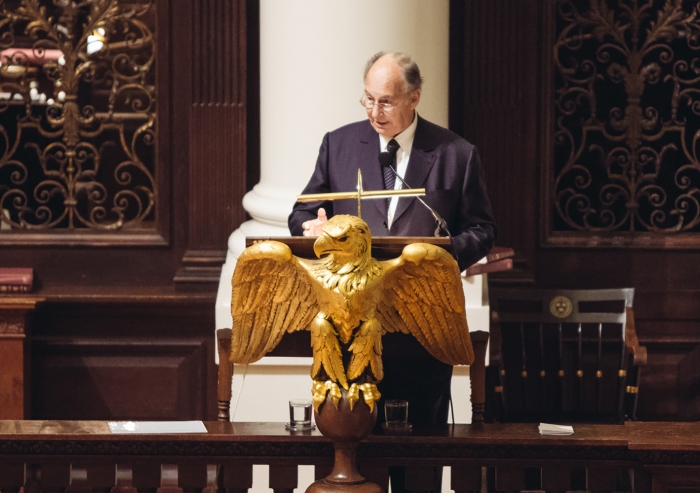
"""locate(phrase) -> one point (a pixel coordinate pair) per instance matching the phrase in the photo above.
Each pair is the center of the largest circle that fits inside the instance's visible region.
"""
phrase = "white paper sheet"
(156, 427)
(550, 429)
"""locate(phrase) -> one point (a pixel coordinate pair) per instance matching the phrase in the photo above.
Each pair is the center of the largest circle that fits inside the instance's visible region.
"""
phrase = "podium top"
(383, 247)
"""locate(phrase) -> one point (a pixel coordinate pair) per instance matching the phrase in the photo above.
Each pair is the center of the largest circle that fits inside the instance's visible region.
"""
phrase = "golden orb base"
(345, 428)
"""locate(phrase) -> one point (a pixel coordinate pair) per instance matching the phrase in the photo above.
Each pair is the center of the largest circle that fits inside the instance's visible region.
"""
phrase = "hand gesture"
(313, 227)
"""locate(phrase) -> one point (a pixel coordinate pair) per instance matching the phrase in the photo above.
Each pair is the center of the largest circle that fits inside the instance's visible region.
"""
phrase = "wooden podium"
(383, 247)
(296, 344)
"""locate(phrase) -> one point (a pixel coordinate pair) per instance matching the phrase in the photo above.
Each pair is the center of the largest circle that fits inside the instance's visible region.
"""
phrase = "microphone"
(386, 160)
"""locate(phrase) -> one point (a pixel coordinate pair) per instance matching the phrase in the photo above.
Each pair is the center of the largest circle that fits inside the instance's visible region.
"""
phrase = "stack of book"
(500, 258)
(16, 280)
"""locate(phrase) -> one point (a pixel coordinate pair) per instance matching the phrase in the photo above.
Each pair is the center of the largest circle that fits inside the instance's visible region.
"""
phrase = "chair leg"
(477, 375)
(632, 392)
(225, 376)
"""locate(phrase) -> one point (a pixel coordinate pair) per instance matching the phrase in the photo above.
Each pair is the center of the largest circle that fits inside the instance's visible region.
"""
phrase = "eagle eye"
(343, 239)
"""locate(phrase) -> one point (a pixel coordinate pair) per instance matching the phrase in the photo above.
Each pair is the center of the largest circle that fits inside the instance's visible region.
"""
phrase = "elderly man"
(426, 156)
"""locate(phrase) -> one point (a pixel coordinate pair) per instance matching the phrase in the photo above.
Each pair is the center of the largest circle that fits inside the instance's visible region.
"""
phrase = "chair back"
(562, 355)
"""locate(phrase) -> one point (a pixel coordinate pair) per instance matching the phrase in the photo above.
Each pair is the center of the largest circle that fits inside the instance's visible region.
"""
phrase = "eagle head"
(345, 244)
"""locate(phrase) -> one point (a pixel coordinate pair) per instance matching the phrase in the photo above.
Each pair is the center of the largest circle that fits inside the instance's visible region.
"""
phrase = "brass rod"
(374, 194)
(359, 193)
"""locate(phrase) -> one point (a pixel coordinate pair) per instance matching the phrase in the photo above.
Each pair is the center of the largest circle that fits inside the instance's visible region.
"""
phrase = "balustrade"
(84, 457)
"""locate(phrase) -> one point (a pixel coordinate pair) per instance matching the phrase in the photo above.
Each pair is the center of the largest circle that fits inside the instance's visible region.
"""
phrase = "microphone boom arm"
(441, 223)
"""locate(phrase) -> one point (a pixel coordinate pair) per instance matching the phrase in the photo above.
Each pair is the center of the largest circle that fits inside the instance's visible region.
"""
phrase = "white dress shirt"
(405, 140)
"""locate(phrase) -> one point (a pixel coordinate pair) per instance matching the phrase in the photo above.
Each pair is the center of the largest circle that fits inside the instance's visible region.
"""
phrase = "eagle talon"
(353, 395)
(370, 394)
(320, 389)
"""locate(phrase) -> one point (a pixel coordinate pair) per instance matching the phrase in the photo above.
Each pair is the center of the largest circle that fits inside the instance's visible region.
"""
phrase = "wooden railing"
(60, 457)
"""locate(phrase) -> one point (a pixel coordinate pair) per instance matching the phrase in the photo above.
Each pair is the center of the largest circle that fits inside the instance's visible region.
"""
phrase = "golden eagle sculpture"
(348, 300)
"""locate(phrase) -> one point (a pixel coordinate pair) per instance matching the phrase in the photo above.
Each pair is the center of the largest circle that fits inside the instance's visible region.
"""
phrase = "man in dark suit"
(429, 157)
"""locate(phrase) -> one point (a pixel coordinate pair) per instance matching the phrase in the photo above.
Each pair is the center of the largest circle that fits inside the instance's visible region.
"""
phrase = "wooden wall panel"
(92, 379)
(689, 384)
(218, 134)
(669, 326)
(501, 68)
(220, 160)
(114, 361)
(493, 101)
(119, 335)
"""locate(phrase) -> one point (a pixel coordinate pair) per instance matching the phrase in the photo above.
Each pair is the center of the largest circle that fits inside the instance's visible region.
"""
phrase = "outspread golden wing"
(272, 295)
(422, 295)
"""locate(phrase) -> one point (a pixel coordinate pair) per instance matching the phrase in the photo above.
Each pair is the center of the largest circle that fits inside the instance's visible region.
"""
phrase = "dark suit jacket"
(448, 167)
(442, 162)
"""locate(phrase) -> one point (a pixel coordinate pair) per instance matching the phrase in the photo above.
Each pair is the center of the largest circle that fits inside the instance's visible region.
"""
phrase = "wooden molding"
(11, 322)
(200, 267)
(66, 238)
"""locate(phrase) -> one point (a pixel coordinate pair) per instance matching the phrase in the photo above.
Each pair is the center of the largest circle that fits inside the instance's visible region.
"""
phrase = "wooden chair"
(563, 356)
(477, 374)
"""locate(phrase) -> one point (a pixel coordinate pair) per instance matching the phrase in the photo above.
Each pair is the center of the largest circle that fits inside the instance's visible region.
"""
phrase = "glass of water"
(300, 414)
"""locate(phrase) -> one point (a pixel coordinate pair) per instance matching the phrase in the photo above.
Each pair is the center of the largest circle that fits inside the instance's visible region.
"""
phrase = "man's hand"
(313, 227)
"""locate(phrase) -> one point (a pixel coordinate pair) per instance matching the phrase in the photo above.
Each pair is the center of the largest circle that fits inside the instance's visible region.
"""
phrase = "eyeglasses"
(369, 103)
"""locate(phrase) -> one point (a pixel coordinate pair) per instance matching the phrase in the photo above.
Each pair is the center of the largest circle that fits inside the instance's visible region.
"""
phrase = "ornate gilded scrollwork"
(627, 108)
(78, 113)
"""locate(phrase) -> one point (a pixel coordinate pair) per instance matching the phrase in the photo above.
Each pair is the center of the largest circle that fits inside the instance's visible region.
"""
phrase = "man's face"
(384, 84)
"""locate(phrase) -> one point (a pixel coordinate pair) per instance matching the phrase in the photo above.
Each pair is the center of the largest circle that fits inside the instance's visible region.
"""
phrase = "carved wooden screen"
(623, 123)
(78, 122)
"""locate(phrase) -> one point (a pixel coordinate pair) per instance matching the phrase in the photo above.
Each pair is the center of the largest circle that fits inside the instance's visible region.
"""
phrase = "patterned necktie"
(392, 148)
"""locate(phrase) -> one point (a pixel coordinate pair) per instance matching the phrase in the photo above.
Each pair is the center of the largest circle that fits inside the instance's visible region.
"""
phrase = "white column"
(312, 57)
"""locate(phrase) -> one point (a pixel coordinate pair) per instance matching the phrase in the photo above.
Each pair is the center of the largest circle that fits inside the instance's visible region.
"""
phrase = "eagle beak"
(323, 245)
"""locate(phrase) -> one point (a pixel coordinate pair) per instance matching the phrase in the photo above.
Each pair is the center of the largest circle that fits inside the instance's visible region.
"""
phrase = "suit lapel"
(419, 165)
(372, 177)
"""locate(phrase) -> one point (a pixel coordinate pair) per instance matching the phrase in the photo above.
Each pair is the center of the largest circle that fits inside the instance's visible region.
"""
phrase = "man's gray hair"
(412, 81)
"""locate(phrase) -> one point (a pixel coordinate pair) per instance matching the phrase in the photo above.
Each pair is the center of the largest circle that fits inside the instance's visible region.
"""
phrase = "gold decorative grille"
(77, 115)
(627, 116)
